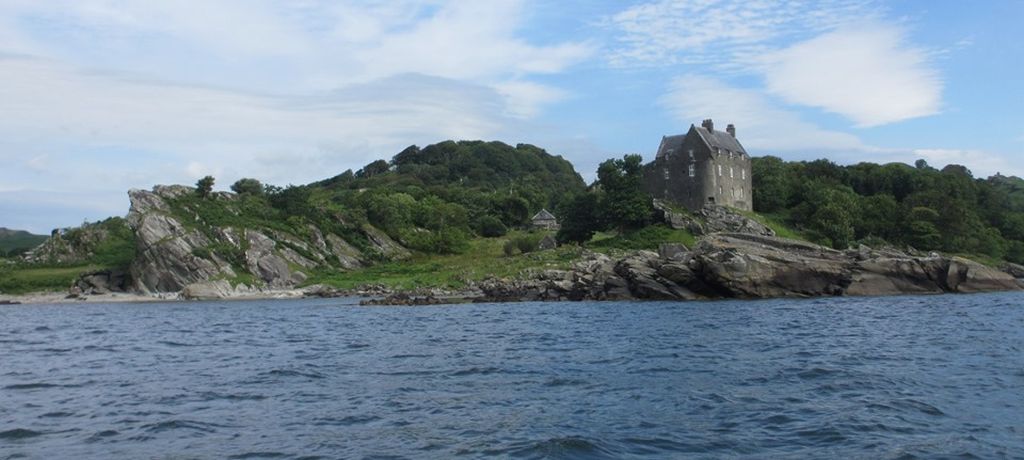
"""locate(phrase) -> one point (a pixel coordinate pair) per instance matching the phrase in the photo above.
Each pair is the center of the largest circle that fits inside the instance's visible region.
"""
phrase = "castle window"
(666, 174)
(720, 192)
(693, 170)
(743, 173)
(719, 170)
(741, 193)
(691, 154)
(730, 173)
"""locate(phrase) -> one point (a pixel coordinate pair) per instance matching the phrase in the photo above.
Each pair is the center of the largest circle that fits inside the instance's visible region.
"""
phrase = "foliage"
(247, 186)
(204, 186)
(623, 204)
(929, 209)
(580, 219)
(483, 259)
(23, 280)
(491, 227)
(650, 237)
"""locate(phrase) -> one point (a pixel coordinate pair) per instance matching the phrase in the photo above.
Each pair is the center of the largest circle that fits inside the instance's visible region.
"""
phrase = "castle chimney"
(708, 125)
(731, 130)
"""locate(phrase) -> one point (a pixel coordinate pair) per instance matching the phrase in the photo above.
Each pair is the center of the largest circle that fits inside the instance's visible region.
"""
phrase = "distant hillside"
(15, 240)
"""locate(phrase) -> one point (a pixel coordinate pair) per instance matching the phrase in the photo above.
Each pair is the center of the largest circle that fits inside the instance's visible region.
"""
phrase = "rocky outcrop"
(711, 219)
(178, 252)
(101, 282)
(745, 266)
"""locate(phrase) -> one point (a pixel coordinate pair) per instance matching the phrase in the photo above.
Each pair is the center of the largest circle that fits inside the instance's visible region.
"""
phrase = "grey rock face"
(745, 266)
(165, 256)
(172, 256)
(712, 219)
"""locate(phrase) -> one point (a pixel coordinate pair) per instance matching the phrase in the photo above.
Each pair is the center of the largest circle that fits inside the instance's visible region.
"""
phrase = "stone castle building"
(701, 167)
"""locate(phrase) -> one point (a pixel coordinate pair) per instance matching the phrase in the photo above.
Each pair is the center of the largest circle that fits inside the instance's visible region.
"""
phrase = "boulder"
(101, 282)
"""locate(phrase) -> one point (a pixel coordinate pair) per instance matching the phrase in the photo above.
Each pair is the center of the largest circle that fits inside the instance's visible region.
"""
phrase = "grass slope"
(18, 239)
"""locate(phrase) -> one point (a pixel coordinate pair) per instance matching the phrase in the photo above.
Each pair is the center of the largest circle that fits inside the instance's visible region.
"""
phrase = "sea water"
(884, 377)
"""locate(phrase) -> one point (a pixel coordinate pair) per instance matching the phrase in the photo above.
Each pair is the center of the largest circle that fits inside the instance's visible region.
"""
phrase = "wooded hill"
(928, 209)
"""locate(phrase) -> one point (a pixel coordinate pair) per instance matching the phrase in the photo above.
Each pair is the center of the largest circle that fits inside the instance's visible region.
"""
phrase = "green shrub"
(491, 227)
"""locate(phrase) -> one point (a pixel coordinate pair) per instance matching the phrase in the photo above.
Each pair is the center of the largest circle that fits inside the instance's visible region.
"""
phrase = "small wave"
(258, 455)
(560, 382)
(816, 373)
(30, 386)
(175, 344)
(568, 448)
(19, 433)
(357, 346)
(475, 371)
(99, 436)
(293, 373)
(922, 407)
(57, 415)
(825, 435)
(57, 350)
(407, 356)
(212, 395)
(42, 329)
(349, 420)
(180, 425)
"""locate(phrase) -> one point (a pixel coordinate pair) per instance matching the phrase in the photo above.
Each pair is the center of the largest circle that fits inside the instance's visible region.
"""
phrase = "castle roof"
(714, 139)
(720, 139)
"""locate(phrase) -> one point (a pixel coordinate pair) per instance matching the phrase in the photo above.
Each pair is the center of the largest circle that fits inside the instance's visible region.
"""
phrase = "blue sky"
(100, 96)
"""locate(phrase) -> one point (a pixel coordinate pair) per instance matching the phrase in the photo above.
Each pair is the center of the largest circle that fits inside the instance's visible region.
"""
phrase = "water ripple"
(907, 377)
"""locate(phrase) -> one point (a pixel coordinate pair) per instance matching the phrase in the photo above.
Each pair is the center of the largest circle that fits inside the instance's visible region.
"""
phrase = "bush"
(491, 227)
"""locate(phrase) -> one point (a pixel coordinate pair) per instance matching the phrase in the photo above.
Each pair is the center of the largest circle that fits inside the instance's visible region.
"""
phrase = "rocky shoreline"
(720, 266)
(742, 266)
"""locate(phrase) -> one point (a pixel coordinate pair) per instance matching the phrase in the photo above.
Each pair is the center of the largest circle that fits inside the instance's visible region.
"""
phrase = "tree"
(579, 219)
(491, 227)
(624, 204)
(204, 186)
(247, 186)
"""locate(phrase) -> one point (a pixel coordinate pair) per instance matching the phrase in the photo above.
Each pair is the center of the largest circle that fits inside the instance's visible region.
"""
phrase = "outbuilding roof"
(543, 215)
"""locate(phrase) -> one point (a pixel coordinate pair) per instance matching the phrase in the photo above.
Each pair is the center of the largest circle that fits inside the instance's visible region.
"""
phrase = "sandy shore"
(62, 298)
(38, 298)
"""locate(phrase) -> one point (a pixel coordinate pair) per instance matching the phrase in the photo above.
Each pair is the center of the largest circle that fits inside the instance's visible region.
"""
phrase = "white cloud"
(720, 32)
(761, 125)
(92, 130)
(981, 163)
(865, 73)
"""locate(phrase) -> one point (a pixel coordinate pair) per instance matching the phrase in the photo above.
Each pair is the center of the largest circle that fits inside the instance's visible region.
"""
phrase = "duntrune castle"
(704, 166)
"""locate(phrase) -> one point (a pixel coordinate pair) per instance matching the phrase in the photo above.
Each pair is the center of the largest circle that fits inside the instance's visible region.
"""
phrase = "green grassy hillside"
(12, 241)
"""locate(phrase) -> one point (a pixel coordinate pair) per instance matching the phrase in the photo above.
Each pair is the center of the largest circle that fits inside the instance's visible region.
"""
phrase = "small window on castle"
(666, 174)
(693, 170)
(691, 154)
(741, 193)
(719, 170)
(743, 173)
(720, 190)
(731, 176)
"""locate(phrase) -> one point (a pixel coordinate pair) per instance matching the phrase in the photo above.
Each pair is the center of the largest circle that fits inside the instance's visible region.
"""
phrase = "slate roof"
(720, 139)
(544, 215)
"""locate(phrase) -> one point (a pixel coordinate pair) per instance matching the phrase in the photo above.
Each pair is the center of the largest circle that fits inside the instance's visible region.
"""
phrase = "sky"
(101, 96)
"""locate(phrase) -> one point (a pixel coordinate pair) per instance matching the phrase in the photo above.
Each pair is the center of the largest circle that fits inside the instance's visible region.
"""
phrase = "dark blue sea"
(887, 377)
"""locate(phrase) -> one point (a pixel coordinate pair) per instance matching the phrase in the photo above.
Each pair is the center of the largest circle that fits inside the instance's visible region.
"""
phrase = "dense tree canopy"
(920, 206)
